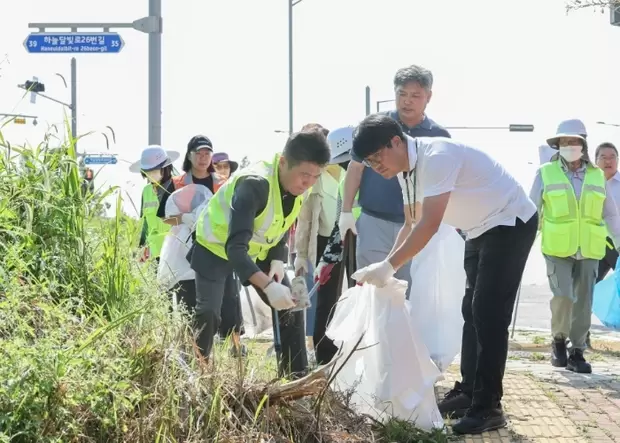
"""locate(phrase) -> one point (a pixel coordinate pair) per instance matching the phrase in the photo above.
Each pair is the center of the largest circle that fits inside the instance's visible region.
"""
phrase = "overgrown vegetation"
(90, 351)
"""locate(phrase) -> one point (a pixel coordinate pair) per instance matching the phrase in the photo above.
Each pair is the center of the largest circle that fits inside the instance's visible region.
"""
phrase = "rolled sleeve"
(611, 215)
(249, 198)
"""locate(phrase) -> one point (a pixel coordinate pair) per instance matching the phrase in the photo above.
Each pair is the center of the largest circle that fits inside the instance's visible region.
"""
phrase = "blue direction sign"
(74, 43)
(100, 160)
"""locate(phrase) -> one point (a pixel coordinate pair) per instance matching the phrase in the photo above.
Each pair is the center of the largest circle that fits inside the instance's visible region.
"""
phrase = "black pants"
(608, 262)
(230, 315)
(494, 264)
(327, 297)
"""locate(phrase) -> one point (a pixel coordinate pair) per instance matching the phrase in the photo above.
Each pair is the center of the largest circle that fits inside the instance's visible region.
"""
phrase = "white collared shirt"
(483, 194)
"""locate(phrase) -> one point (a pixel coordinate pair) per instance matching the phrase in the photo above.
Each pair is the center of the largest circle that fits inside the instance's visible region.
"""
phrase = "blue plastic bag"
(606, 303)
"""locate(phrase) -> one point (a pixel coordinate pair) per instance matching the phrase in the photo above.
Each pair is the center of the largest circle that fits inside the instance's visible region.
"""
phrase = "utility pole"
(105, 41)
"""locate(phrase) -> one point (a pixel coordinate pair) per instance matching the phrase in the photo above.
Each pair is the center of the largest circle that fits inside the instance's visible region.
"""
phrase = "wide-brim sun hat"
(220, 157)
(568, 128)
(154, 157)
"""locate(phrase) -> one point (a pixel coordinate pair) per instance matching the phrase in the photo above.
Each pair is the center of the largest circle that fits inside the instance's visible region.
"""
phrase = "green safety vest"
(269, 226)
(569, 225)
(356, 209)
(156, 228)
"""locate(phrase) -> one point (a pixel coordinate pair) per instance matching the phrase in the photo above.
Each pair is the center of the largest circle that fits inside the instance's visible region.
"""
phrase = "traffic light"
(34, 86)
(19, 120)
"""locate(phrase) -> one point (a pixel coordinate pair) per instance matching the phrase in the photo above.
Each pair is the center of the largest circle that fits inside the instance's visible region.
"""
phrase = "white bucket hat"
(154, 157)
(568, 128)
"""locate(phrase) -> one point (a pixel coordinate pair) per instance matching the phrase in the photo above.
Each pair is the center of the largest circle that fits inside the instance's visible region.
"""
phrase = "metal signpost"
(106, 42)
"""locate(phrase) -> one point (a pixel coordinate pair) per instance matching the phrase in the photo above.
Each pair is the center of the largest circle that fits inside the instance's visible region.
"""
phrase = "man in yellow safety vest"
(575, 206)
(244, 230)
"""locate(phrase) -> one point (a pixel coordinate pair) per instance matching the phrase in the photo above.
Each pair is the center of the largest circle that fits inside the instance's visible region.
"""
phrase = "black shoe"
(241, 351)
(455, 403)
(559, 355)
(577, 363)
(477, 421)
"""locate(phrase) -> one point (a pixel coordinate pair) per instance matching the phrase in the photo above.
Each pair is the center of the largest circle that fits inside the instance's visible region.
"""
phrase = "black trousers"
(494, 264)
(327, 297)
(608, 262)
(231, 317)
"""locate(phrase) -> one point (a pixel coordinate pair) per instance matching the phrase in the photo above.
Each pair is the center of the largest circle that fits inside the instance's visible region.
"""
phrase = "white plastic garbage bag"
(256, 313)
(391, 372)
(437, 289)
(173, 264)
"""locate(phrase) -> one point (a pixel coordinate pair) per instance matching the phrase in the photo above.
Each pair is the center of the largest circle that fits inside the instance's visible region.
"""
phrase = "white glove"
(276, 270)
(279, 296)
(346, 223)
(188, 219)
(300, 264)
(317, 270)
(377, 274)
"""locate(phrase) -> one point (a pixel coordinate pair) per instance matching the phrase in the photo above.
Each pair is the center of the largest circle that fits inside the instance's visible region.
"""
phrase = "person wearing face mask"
(244, 230)
(575, 203)
(155, 165)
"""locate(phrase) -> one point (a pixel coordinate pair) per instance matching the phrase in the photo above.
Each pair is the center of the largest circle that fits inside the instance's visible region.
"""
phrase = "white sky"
(225, 72)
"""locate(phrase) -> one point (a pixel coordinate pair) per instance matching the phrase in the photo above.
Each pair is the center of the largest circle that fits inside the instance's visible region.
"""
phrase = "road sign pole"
(155, 76)
(74, 101)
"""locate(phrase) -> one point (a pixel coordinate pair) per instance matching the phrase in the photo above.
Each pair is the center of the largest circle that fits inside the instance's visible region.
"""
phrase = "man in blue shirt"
(381, 199)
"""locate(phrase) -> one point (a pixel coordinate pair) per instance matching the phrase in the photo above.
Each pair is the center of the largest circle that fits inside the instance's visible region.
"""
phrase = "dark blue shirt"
(382, 198)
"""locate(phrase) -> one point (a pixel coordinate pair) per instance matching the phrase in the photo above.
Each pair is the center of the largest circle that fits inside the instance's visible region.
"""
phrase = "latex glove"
(188, 219)
(377, 274)
(346, 222)
(322, 273)
(301, 265)
(279, 296)
(276, 270)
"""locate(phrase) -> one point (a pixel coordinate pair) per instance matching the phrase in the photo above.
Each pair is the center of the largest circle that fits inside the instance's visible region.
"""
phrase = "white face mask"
(570, 153)
(154, 176)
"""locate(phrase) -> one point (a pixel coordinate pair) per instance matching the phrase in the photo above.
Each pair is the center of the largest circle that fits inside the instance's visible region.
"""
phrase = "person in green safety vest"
(572, 197)
(340, 143)
(244, 230)
(155, 165)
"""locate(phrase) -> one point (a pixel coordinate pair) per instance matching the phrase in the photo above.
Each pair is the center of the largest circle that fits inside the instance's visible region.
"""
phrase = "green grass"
(90, 351)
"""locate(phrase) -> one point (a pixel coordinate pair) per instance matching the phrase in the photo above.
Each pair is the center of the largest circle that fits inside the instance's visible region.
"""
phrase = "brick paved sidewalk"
(545, 404)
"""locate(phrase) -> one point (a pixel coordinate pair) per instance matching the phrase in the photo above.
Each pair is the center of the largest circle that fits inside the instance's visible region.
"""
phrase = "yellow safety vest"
(156, 228)
(356, 209)
(269, 226)
(569, 225)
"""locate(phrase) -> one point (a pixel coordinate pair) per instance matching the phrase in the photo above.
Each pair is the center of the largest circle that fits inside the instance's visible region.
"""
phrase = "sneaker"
(455, 403)
(478, 420)
(559, 355)
(577, 363)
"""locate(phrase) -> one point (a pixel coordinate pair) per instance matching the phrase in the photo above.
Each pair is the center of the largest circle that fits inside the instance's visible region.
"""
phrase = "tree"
(245, 162)
(572, 5)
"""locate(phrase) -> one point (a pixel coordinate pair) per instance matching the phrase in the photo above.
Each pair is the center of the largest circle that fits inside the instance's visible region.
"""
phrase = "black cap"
(199, 142)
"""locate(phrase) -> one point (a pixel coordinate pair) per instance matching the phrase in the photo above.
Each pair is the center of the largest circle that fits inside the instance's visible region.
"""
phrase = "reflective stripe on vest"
(269, 226)
(569, 225)
(156, 228)
(356, 209)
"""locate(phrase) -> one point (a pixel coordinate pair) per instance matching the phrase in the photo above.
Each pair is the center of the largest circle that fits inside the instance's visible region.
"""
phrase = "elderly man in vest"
(576, 213)
(244, 229)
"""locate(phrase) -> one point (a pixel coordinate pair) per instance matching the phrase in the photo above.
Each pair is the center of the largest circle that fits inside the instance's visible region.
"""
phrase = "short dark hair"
(605, 145)
(315, 127)
(373, 133)
(416, 74)
(307, 146)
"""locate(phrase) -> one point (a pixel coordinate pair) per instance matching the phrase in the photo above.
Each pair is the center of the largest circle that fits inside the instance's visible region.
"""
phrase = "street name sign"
(74, 43)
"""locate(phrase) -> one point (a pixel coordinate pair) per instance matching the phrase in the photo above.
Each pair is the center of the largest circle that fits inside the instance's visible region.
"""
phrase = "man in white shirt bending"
(463, 187)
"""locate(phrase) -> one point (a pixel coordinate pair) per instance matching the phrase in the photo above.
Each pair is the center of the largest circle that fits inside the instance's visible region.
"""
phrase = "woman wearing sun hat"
(224, 168)
(155, 165)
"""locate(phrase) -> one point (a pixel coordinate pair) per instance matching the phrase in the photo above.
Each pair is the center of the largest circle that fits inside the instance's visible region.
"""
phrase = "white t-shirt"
(483, 194)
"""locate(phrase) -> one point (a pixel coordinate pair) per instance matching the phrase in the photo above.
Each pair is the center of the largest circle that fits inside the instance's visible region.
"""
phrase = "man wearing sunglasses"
(465, 188)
